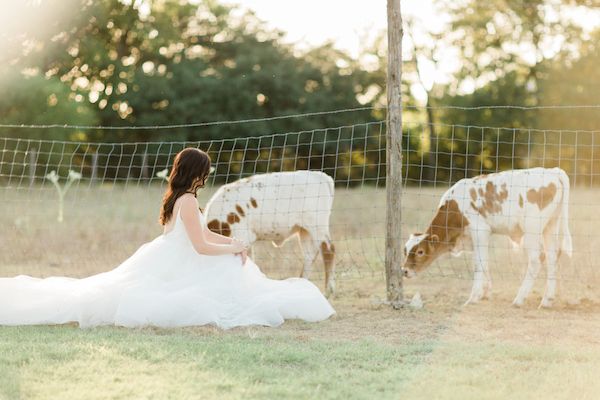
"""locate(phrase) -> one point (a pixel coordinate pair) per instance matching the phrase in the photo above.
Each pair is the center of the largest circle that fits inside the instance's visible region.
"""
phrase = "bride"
(186, 276)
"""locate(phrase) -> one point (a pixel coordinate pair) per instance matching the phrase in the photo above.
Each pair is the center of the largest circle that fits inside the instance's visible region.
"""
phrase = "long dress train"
(165, 283)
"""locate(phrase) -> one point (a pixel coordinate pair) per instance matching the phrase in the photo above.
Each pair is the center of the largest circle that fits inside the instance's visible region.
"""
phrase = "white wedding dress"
(165, 283)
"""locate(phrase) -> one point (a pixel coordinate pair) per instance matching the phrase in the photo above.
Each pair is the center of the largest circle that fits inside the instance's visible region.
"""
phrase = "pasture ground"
(367, 350)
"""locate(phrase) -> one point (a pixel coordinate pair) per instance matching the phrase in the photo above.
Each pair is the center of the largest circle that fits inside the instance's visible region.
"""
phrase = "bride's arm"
(215, 237)
(197, 235)
(220, 239)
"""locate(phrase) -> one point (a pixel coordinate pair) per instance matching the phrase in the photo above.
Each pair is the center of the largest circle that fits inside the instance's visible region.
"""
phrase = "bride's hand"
(244, 255)
(238, 246)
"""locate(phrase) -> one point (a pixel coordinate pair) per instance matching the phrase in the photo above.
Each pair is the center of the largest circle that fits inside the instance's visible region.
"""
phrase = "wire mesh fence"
(433, 164)
(112, 204)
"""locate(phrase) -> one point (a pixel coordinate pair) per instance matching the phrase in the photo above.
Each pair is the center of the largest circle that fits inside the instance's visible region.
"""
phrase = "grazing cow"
(275, 207)
(530, 206)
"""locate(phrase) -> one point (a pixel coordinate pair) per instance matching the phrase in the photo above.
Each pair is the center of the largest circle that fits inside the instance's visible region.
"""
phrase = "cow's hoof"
(472, 301)
(517, 303)
(330, 291)
(546, 303)
(475, 297)
(487, 292)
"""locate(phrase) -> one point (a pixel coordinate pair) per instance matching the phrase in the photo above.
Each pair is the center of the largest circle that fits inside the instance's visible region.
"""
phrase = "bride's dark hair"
(191, 167)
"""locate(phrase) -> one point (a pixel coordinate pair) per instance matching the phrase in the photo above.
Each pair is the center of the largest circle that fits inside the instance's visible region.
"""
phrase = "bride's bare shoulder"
(187, 199)
(188, 202)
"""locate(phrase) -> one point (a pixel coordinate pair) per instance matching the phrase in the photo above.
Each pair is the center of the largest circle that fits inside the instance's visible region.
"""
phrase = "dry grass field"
(444, 350)
(105, 224)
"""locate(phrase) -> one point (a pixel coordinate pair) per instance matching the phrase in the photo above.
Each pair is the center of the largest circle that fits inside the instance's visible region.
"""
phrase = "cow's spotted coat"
(529, 206)
(275, 207)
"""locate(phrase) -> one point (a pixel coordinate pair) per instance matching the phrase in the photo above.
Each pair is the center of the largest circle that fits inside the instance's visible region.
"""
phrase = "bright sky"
(345, 21)
(349, 22)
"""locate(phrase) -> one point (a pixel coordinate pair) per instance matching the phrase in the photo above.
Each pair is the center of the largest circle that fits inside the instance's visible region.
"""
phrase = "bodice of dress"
(178, 228)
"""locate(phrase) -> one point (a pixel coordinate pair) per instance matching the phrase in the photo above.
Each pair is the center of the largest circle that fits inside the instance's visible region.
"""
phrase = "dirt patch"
(361, 316)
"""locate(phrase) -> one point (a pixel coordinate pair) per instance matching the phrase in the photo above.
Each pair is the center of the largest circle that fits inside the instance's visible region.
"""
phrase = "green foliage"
(37, 100)
(181, 63)
(65, 362)
(507, 61)
(178, 63)
(166, 62)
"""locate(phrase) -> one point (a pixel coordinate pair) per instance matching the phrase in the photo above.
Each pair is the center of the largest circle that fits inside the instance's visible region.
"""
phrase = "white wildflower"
(52, 176)
(74, 176)
(163, 174)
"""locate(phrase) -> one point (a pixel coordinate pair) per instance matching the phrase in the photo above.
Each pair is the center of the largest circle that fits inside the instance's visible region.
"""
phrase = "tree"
(180, 63)
(576, 130)
(500, 37)
(508, 51)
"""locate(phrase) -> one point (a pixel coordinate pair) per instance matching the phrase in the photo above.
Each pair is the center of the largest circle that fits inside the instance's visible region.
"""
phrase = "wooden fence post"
(393, 251)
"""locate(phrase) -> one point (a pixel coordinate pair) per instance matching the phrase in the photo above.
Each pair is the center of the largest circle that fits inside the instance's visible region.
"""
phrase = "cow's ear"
(434, 239)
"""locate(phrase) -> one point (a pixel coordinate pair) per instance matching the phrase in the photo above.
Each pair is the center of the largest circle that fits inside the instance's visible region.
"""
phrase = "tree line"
(117, 63)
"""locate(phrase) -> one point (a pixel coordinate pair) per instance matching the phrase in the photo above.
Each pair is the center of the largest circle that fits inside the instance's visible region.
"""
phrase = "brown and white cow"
(275, 207)
(530, 206)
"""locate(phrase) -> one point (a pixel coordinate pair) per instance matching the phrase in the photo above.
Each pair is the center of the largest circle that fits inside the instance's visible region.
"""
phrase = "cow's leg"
(328, 254)
(487, 284)
(487, 287)
(533, 244)
(310, 250)
(480, 237)
(551, 247)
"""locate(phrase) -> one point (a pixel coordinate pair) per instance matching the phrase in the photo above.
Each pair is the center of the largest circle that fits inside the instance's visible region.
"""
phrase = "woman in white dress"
(185, 277)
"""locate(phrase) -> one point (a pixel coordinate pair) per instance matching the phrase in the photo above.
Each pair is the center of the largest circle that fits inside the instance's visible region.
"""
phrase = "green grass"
(65, 362)
(68, 363)
(507, 371)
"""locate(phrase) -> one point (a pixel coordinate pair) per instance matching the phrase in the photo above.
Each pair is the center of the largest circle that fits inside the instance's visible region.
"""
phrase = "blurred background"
(122, 63)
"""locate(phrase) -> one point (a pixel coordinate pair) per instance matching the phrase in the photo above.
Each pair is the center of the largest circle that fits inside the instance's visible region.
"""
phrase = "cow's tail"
(566, 244)
(330, 185)
(330, 192)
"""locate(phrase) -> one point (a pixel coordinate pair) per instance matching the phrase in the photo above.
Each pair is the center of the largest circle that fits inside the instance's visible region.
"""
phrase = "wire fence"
(434, 163)
(114, 194)
(112, 204)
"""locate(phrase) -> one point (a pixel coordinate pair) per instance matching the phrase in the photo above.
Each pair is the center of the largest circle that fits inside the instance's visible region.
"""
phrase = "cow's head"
(443, 236)
(420, 250)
